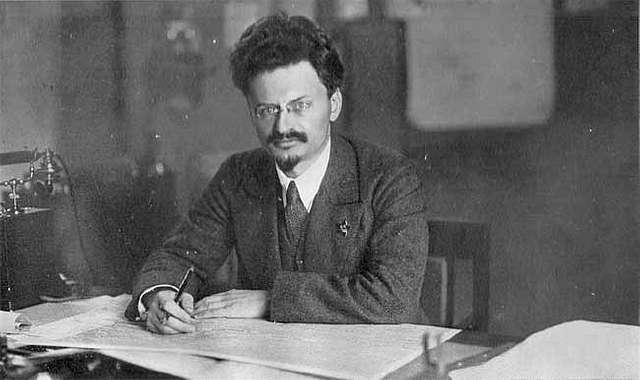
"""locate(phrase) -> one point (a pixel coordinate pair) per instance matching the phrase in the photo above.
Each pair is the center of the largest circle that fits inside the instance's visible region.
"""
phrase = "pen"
(181, 288)
(183, 284)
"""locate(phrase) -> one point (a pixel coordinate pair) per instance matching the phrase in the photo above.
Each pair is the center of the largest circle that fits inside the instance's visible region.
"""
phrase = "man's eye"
(267, 110)
(270, 110)
(301, 105)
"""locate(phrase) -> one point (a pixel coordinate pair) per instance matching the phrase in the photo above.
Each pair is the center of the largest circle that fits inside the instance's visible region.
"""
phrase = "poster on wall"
(477, 64)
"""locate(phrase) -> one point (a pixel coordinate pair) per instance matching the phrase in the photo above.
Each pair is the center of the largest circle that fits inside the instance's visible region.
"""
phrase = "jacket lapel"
(335, 213)
(263, 188)
(341, 183)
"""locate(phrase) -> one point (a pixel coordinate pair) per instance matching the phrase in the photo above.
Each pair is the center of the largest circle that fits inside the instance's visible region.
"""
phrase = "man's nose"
(282, 122)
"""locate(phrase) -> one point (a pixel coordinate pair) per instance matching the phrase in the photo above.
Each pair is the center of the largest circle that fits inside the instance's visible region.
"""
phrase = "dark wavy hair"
(279, 40)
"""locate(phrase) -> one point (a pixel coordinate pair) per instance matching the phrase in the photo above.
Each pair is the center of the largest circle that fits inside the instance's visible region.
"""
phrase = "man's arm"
(387, 287)
(202, 240)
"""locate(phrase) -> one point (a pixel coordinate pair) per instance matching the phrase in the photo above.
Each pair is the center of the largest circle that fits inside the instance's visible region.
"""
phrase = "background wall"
(30, 97)
(560, 197)
(28, 75)
(167, 123)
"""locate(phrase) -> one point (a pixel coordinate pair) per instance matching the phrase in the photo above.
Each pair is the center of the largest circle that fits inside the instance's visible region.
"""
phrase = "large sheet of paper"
(341, 351)
(194, 367)
(571, 350)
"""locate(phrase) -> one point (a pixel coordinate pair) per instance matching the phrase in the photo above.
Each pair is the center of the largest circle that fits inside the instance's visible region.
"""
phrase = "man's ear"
(249, 110)
(336, 105)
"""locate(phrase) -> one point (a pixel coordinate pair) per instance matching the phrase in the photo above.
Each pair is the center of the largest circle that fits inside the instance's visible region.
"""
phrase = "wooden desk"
(464, 345)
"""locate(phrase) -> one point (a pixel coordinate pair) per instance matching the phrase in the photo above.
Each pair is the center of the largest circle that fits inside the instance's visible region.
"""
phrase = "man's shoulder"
(370, 155)
(251, 170)
(254, 159)
(383, 175)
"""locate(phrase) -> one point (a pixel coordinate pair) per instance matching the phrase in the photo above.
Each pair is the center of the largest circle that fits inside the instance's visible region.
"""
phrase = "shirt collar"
(308, 182)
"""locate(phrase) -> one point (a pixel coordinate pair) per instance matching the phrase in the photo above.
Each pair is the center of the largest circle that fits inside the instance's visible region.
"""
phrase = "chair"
(455, 292)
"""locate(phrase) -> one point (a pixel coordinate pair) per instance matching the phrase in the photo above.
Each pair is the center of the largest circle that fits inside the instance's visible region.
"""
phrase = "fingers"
(166, 317)
(186, 301)
(214, 310)
(160, 324)
(174, 310)
(217, 305)
(165, 323)
(224, 297)
(233, 304)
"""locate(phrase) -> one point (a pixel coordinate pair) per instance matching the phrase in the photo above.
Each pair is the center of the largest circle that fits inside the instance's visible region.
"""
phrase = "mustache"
(291, 135)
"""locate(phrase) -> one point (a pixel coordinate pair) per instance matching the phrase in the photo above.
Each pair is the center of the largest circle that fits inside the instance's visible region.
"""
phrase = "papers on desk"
(571, 350)
(11, 322)
(341, 351)
(195, 367)
(103, 316)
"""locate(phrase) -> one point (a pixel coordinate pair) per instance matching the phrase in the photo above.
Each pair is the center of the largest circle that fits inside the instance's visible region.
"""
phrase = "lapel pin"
(344, 227)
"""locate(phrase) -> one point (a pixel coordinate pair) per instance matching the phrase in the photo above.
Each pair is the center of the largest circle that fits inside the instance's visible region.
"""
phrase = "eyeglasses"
(270, 111)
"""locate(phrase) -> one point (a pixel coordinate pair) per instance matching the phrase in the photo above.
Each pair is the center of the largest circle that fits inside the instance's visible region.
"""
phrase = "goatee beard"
(287, 163)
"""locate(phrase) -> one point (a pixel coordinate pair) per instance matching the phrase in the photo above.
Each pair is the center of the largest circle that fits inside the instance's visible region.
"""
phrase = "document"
(341, 351)
(571, 350)
(195, 367)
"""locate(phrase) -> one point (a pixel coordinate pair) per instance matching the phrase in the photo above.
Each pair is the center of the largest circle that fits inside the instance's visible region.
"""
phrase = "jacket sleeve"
(387, 287)
(202, 239)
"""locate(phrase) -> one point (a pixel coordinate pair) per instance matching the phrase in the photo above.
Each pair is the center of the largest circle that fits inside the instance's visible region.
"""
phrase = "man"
(326, 229)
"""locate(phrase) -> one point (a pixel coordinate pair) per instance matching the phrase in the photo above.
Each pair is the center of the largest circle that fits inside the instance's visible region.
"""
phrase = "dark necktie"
(295, 213)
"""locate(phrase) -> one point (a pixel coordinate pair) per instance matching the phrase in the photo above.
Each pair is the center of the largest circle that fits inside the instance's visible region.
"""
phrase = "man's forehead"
(286, 83)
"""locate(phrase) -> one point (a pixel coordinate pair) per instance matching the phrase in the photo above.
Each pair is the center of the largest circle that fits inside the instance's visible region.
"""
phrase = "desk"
(465, 344)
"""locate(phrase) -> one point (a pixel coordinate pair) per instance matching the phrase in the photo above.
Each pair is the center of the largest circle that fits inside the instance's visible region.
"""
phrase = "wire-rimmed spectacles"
(270, 111)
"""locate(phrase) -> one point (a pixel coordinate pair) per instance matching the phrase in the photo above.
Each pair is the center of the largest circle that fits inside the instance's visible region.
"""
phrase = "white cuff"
(142, 310)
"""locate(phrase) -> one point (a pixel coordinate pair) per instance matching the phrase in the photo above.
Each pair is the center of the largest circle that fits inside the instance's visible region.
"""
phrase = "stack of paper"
(341, 351)
(571, 350)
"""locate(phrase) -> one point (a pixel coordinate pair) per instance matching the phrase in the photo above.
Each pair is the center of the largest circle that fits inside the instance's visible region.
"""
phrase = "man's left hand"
(234, 303)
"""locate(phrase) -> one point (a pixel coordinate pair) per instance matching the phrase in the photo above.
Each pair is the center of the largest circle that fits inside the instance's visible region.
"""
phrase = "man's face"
(291, 112)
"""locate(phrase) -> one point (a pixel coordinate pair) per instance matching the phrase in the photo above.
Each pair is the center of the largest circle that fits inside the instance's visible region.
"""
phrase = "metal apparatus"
(44, 167)
(43, 171)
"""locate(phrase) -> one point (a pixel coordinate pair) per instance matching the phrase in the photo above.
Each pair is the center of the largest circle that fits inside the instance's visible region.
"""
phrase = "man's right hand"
(164, 316)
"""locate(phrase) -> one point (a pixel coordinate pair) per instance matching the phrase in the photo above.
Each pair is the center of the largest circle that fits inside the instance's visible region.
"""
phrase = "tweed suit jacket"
(365, 246)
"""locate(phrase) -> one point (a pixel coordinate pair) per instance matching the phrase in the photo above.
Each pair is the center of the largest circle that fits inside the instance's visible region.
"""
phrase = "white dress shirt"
(309, 181)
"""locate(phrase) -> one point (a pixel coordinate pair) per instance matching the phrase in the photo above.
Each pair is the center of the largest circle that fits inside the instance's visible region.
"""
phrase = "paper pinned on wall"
(478, 64)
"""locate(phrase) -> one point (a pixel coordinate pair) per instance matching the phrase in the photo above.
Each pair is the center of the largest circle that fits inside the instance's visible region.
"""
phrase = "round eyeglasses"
(270, 111)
